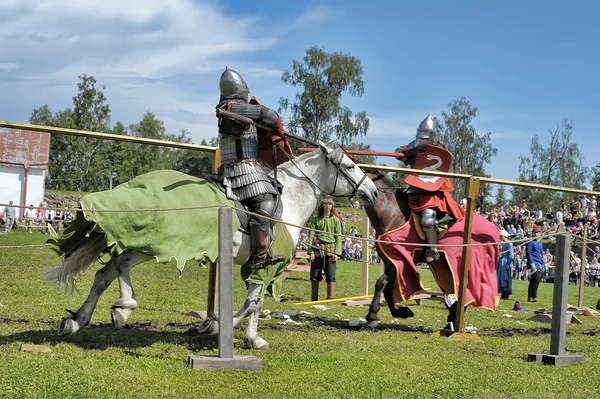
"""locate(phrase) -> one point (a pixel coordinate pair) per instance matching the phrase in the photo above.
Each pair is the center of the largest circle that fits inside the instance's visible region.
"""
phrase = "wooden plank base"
(250, 363)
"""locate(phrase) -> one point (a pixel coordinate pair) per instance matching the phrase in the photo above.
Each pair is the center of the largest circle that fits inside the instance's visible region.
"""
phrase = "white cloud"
(8, 66)
(165, 56)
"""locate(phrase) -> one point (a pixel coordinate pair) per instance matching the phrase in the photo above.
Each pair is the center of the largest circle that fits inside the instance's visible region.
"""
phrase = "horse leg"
(122, 309)
(371, 317)
(251, 338)
(102, 280)
(403, 312)
(452, 317)
(251, 305)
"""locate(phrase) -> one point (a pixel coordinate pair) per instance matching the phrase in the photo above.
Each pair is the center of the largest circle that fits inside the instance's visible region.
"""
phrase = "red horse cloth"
(482, 283)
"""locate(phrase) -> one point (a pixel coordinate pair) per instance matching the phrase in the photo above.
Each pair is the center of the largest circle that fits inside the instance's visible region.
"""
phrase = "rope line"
(408, 244)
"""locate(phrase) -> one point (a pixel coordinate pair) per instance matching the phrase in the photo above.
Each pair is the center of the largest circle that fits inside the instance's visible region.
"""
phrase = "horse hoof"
(371, 324)
(120, 316)
(67, 326)
(209, 327)
(403, 312)
(257, 343)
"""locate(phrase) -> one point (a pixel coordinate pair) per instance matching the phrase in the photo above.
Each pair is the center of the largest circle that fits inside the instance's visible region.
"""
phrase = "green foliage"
(195, 163)
(501, 199)
(367, 159)
(322, 78)
(471, 151)
(322, 357)
(560, 163)
(596, 177)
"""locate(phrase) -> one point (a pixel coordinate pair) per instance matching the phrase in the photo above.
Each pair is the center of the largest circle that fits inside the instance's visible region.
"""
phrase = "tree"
(316, 113)
(368, 159)
(145, 158)
(501, 198)
(471, 151)
(72, 158)
(195, 163)
(596, 177)
(558, 164)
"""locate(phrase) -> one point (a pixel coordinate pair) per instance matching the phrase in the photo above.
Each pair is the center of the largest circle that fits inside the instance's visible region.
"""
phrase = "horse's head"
(347, 179)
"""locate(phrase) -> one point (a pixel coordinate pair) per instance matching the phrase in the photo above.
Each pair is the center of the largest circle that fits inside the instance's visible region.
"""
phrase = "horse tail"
(77, 261)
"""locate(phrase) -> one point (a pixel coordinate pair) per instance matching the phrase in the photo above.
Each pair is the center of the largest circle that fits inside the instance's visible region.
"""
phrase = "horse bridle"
(350, 179)
(338, 167)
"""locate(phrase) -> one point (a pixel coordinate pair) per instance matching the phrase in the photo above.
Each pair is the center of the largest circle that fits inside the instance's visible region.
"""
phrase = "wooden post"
(225, 359)
(583, 265)
(365, 255)
(212, 309)
(558, 335)
(472, 191)
(226, 282)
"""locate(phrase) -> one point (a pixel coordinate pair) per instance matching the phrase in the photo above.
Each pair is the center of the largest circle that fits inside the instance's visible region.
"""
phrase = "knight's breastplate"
(235, 147)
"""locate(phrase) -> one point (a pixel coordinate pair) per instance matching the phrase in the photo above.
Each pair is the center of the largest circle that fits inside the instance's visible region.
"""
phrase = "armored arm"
(259, 113)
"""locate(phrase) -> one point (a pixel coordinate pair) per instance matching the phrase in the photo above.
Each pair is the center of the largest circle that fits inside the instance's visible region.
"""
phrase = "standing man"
(324, 248)
(429, 196)
(535, 263)
(9, 217)
(241, 170)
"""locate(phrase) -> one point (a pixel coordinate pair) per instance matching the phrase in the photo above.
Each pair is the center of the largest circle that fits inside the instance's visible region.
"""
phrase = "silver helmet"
(232, 85)
(426, 133)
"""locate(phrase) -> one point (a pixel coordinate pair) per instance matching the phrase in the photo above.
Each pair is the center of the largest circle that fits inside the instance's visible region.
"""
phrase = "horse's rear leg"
(122, 309)
(375, 306)
(102, 280)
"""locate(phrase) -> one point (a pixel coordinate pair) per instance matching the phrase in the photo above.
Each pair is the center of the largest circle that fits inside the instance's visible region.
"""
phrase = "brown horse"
(391, 218)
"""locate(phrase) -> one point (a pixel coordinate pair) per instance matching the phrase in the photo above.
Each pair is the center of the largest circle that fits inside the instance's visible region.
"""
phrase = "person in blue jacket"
(504, 266)
(535, 263)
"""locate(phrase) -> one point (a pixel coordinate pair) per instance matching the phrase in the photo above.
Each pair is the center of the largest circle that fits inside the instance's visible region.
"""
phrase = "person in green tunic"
(325, 248)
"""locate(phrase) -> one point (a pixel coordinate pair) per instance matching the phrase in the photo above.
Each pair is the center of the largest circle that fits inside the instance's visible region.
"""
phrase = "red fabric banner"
(482, 284)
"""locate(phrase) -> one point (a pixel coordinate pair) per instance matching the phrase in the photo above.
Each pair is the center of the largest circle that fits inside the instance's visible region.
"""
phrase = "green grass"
(322, 358)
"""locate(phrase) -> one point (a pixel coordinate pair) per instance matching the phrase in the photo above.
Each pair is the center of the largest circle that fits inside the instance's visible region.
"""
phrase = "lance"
(248, 121)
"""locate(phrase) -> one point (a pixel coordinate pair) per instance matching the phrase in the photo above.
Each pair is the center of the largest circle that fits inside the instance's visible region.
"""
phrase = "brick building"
(24, 158)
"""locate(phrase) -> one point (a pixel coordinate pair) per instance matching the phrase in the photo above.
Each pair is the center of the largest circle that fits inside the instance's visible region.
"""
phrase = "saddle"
(244, 217)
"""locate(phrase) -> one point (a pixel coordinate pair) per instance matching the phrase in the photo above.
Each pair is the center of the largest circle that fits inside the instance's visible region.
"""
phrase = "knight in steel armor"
(241, 171)
(429, 196)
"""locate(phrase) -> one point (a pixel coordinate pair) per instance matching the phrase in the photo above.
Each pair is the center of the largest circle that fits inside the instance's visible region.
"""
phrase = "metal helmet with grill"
(232, 85)
(426, 133)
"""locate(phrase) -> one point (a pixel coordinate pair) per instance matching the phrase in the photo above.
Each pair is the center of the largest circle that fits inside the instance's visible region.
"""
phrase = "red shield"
(433, 158)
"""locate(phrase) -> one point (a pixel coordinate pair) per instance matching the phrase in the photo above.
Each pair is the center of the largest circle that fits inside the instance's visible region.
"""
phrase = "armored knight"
(241, 171)
(429, 196)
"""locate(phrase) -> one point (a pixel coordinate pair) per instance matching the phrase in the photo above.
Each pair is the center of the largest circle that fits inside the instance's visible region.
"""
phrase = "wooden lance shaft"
(248, 121)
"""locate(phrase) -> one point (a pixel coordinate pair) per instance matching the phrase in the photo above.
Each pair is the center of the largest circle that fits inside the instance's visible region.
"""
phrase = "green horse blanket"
(149, 227)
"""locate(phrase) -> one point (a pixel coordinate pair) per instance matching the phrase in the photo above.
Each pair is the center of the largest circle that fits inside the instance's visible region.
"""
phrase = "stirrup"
(431, 255)
(446, 219)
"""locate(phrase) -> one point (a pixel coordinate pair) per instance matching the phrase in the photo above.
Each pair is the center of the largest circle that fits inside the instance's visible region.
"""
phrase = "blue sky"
(526, 65)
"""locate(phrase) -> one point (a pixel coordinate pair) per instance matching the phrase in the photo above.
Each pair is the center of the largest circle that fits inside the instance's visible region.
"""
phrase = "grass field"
(322, 358)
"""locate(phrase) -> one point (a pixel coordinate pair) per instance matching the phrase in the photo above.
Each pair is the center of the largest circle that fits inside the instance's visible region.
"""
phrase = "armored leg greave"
(260, 239)
(430, 225)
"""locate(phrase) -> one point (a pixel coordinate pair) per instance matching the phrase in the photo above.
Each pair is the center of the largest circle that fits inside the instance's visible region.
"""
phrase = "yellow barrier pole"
(352, 298)
(105, 136)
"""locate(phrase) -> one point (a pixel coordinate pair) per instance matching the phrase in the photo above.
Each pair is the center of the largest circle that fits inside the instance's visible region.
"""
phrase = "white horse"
(306, 179)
